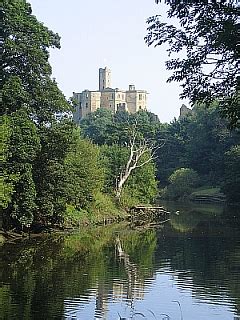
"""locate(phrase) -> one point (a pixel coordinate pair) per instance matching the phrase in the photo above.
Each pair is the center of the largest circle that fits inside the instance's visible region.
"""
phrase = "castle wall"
(131, 100)
(112, 98)
(184, 111)
(136, 99)
(108, 99)
(120, 100)
(89, 102)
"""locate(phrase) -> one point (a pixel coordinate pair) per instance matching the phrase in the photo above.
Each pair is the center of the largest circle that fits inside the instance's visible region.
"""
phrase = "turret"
(104, 78)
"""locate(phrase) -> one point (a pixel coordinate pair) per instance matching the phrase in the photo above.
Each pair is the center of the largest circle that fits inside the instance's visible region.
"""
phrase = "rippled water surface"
(186, 269)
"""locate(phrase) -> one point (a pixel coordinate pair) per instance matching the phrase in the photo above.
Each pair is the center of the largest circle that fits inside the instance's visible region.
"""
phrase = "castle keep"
(131, 100)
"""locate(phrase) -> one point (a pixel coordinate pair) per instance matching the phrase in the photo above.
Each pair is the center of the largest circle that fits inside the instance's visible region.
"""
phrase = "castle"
(87, 101)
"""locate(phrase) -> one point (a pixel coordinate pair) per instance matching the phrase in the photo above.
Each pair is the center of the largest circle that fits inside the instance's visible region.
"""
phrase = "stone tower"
(104, 78)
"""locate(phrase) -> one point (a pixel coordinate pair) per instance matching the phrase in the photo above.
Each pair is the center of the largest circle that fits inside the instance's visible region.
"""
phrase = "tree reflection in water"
(86, 273)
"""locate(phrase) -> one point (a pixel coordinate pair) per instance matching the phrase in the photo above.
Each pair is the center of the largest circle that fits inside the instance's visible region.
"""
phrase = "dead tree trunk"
(137, 151)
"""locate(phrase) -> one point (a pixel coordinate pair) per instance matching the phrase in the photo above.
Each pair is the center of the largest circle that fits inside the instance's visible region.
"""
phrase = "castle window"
(140, 107)
(140, 96)
(86, 104)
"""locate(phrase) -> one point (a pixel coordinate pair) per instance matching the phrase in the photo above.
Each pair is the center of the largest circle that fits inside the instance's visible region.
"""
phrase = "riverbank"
(106, 211)
(143, 216)
(203, 194)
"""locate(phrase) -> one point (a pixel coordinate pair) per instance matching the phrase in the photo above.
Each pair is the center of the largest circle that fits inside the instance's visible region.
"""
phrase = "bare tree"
(141, 153)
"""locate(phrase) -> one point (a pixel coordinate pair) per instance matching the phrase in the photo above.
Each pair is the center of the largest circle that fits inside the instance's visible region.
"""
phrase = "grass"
(103, 210)
(206, 191)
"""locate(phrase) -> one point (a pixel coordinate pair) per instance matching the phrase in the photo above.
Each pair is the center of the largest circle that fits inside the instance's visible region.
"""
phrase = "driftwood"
(148, 210)
(148, 216)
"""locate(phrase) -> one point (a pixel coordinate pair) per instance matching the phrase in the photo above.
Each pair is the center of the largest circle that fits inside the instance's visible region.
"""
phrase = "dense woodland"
(55, 172)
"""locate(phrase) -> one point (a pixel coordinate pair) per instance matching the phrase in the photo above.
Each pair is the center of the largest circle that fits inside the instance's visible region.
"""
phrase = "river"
(186, 269)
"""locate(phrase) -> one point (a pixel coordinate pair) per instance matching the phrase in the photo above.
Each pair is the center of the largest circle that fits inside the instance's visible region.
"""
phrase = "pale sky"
(110, 33)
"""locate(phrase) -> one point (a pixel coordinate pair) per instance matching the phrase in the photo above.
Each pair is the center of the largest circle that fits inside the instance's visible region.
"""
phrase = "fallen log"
(148, 209)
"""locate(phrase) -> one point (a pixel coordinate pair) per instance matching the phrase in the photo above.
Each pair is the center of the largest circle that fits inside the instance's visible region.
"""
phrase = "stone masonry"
(87, 101)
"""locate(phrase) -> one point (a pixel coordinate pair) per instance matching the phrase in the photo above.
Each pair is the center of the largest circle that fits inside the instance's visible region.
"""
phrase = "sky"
(95, 34)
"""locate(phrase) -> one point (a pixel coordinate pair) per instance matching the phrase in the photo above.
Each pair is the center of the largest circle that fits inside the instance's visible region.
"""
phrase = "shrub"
(181, 183)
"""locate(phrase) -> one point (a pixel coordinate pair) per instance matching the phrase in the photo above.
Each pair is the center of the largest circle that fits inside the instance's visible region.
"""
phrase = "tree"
(181, 183)
(6, 179)
(104, 127)
(84, 175)
(24, 145)
(127, 146)
(208, 140)
(231, 184)
(113, 158)
(140, 154)
(172, 154)
(140, 186)
(208, 33)
(96, 124)
(26, 71)
(204, 135)
(34, 105)
(49, 172)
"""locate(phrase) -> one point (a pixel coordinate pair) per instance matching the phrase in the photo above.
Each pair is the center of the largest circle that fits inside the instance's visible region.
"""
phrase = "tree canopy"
(208, 36)
(26, 72)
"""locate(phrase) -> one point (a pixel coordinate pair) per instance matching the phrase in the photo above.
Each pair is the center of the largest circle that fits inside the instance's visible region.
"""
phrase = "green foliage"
(112, 132)
(105, 207)
(49, 169)
(207, 139)
(208, 37)
(231, 185)
(23, 200)
(181, 183)
(172, 154)
(103, 127)
(84, 176)
(24, 144)
(26, 70)
(6, 179)
(96, 126)
(74, 217)
(113, 158)
(25, 44)
(142, 186)
(36, 145)
(25, 141)
(202, 135)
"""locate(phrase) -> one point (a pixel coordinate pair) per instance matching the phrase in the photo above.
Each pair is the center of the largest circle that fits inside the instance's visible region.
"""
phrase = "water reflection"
(188, 268)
